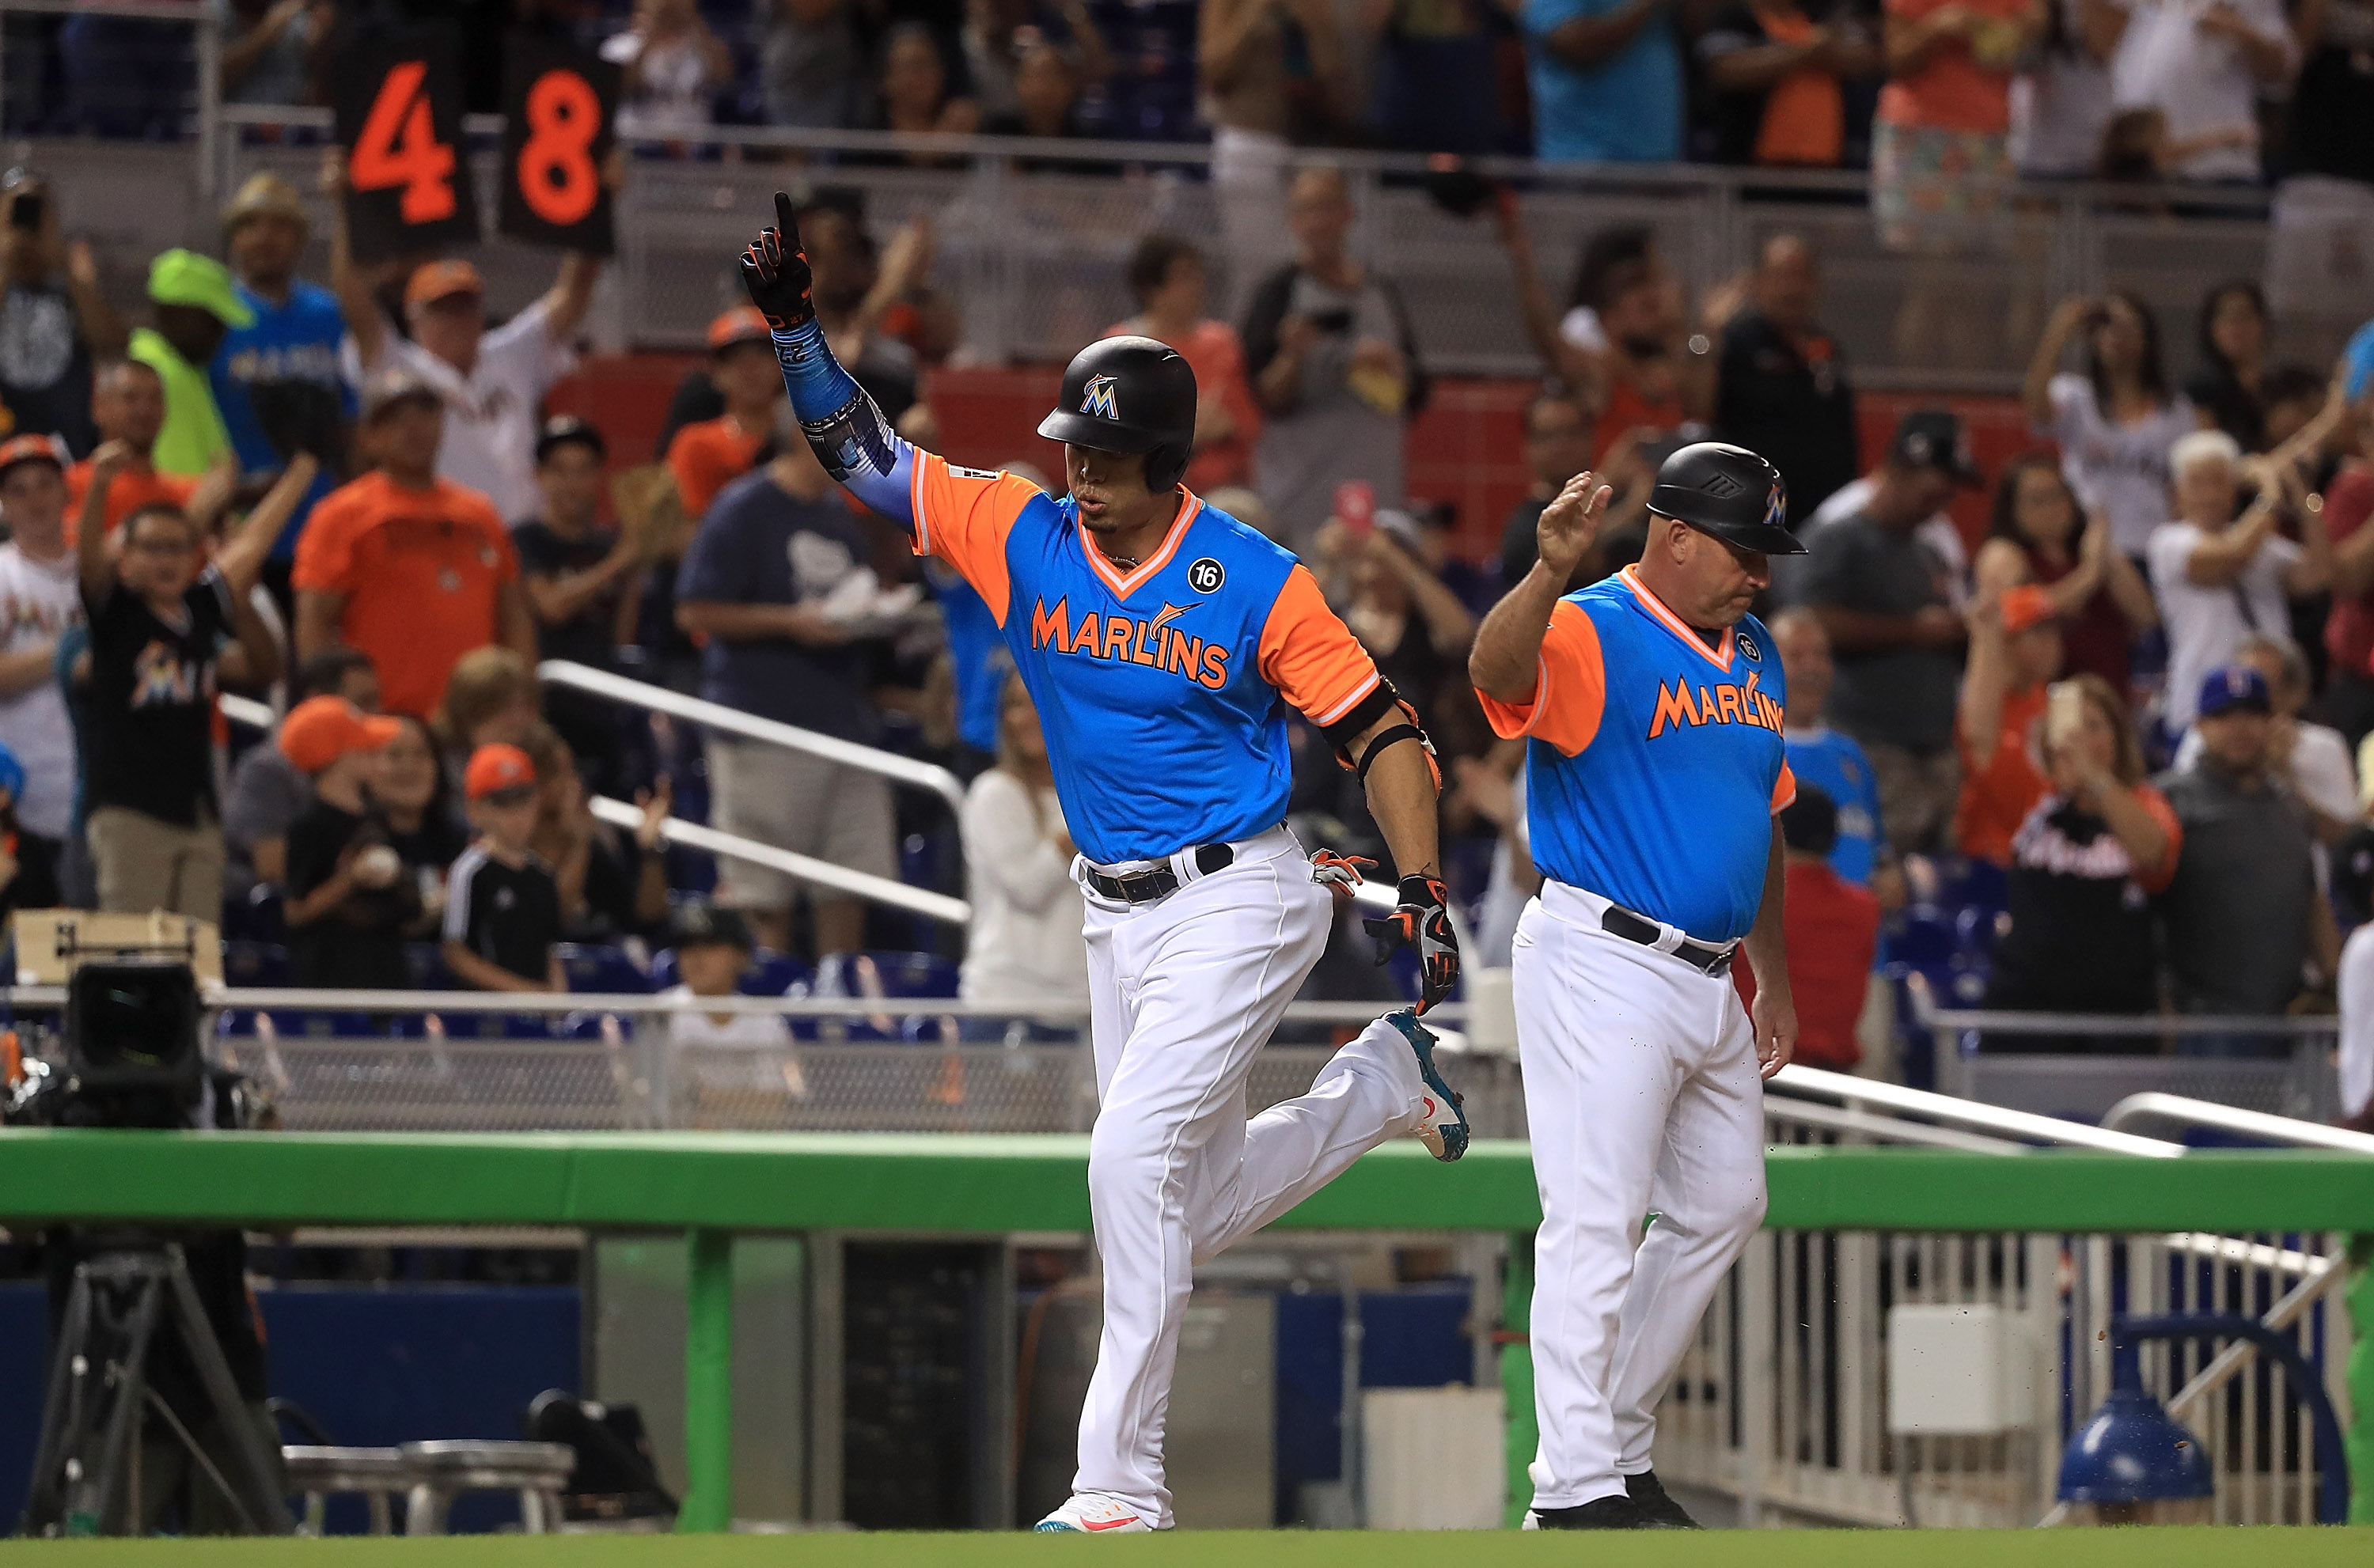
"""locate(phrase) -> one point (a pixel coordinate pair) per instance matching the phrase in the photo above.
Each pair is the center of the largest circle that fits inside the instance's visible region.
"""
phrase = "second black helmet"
(1728, 492)
(1129, 395)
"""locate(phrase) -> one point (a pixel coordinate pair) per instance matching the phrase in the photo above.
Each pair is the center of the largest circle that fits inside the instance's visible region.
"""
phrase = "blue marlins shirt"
(1654, 762)
(1162, 690)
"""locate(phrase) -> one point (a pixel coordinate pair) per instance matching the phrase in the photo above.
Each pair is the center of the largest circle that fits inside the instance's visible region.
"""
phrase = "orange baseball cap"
(321, 729)
(496, 768)
(2025, 606)
(32, 448)
(743, 324)
(442, 280)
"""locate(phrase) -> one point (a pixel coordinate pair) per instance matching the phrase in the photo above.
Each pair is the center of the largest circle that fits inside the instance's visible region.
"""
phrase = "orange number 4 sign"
(398, 148)
(556, 172)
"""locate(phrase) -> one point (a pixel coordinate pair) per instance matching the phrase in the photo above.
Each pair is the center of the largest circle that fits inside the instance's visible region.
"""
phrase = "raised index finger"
(785, 224)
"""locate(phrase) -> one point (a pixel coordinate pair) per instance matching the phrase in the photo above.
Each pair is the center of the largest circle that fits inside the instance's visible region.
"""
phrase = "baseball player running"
(1163, 642)
(1652, 704)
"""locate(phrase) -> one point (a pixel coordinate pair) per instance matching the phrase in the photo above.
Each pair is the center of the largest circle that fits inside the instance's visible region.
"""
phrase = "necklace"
(1127, 563)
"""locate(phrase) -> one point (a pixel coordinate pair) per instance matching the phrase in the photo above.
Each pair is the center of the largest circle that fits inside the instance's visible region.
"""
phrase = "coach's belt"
(1620, 922)
(1157, 880)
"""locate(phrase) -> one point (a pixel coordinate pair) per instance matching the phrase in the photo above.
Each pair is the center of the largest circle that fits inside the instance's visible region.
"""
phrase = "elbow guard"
(1346, 731)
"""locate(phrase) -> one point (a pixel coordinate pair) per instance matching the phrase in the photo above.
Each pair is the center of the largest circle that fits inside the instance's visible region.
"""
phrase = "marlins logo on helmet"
(1097, 398)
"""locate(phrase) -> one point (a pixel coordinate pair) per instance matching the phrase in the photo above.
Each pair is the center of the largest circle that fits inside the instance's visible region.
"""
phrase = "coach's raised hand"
(1569, 523)
(775, 270)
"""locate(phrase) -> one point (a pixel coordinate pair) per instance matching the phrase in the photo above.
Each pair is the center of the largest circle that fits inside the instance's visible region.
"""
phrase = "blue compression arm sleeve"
(845, 430)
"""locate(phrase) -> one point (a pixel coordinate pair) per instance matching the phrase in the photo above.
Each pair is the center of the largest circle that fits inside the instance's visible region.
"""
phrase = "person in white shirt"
(40, 596)
(2115, 423)
(2356, 986)
(1026, 945)
(492, 384)
(2060, 100)
(674, 64)
(2219, 577)
(2202, 63)
(732, 1055)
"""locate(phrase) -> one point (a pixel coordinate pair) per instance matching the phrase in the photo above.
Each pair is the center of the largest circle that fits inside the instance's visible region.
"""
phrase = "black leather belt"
(1622, 922)
(1158, 882)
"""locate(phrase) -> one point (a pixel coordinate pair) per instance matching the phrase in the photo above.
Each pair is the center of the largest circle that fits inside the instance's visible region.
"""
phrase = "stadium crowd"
(1944, 100)
(2125, 729)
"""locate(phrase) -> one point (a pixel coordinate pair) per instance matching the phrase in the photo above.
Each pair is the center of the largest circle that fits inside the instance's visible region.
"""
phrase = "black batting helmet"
(1129, 395)
(1728, 492)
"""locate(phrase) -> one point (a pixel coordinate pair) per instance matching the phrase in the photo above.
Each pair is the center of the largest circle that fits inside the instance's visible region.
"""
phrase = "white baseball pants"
(1182, 993)
(1641, 1094)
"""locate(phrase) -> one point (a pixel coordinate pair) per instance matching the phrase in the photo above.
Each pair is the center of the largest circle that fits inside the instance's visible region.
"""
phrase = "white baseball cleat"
(1089, 1512)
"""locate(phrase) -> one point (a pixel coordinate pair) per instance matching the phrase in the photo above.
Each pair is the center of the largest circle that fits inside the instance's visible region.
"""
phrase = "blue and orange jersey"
(1163, 690)
(1654, 760)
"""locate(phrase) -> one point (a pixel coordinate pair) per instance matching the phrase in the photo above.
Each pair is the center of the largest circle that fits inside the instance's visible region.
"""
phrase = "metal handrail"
(251, 714)
(1831, 1119)
(2153, 1105)
(858, 884)
(716, 715)
(1929, 1015)
(1968, 1113)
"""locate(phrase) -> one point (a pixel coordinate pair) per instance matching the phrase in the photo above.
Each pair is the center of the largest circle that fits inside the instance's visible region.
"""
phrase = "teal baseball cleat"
(1444, 1128)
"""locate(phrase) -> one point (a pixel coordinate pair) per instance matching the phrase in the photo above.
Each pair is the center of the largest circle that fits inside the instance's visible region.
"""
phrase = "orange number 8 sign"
(556, 163)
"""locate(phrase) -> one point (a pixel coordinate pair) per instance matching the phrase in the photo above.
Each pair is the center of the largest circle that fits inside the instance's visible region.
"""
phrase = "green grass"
(2293, 1548)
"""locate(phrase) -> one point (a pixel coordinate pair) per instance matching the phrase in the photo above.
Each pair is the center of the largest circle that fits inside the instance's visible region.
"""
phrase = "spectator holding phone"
(1334, 359)
(579, 577)
(502, 907)
(2114, 423)
(54, 317)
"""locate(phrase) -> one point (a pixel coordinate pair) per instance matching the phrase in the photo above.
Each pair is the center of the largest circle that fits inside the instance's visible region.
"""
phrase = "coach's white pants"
(1183, 994)
(1641, 1094)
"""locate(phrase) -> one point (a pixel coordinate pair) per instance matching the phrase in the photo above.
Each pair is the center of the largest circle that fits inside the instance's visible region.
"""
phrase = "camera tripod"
(86, 1469)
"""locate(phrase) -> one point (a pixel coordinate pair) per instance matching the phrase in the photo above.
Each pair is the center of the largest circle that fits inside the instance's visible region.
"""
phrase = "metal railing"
(2256, 1125)
(750, 726)
(2292, 1076)
(251, 714)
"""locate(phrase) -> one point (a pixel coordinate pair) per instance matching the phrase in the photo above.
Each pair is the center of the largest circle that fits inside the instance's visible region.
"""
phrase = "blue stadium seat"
(426, 962)
(602, 969)
(249, 964)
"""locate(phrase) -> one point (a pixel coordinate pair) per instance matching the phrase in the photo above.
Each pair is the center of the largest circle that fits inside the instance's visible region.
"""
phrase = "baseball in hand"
(378, 866)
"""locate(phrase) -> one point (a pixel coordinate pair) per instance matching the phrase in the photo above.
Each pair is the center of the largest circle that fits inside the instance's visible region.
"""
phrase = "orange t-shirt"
(1804, 114)
(1627, 409)
(1950, 90)
(708, 456)
(127, 495)
(1997, 798)
(421, 572)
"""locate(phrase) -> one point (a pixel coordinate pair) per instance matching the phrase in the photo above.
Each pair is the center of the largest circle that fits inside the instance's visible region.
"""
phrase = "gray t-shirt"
(1904, 697)
(2236, 916)
(1331, 434)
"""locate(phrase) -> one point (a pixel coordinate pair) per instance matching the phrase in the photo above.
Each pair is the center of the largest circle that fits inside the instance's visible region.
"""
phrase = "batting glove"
(1422, 921)
(775, 271)
(1339, 875)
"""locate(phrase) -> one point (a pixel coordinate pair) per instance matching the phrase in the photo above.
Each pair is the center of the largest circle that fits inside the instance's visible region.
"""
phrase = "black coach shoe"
(1599, 1513)
(1658, 1509)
